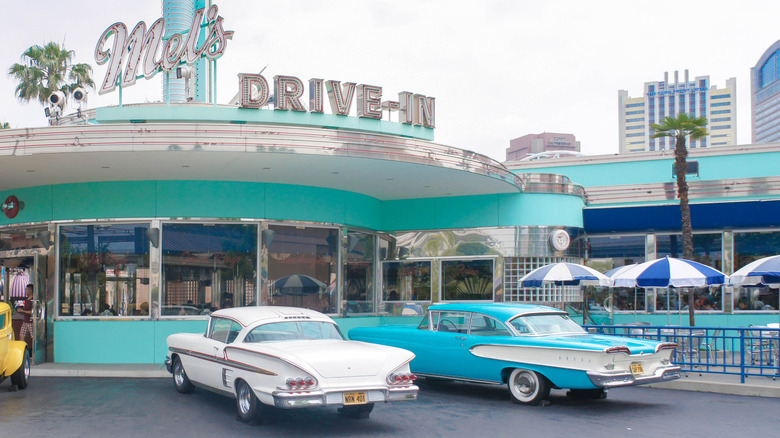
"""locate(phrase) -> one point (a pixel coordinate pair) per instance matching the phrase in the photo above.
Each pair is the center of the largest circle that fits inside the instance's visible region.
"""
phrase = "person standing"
(26, 331)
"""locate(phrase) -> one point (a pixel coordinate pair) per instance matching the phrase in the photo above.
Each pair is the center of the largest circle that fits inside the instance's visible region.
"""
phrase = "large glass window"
(749, 247)
(104, 270)
(207, 267)
(404, 283)
(302, 267)
(464, 280)
(359, 282)
(707, 248)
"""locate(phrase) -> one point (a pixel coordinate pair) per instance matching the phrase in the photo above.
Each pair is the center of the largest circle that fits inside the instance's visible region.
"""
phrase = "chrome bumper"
(168, 365)
(625, 378)
(289, 400)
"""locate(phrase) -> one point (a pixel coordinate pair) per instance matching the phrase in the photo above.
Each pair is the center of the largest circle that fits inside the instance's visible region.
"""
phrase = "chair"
(759, 346)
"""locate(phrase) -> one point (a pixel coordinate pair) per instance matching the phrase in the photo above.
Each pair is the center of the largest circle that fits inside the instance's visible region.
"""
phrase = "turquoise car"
(530, 348)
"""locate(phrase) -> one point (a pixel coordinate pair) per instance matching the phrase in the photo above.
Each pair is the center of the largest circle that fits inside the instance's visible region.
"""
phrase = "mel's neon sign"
(157, 55)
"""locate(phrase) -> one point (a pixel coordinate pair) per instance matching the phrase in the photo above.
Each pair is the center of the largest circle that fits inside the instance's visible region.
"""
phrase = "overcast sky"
(498, 69)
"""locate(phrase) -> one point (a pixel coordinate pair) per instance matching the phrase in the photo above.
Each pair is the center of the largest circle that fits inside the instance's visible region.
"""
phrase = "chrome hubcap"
(243, 399)
(178, 374)
(524, 385)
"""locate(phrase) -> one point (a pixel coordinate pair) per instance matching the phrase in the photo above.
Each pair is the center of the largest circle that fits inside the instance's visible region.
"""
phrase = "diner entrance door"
(19, 269)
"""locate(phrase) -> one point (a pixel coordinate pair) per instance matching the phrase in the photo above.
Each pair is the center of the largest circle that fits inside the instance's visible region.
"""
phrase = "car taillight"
(618, 349)
(666, 346)
(301, 383)
(401, 378)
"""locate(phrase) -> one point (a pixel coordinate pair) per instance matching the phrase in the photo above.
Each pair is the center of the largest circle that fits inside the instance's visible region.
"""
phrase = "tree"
(46, 69)
(5, 125)
(680, 128)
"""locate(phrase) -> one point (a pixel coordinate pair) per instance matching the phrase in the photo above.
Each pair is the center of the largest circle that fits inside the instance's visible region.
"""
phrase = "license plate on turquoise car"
(636, 368)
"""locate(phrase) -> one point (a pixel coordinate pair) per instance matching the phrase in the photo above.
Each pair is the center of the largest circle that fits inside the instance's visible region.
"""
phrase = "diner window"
(707, 248)
(104, 270)
(359, 279)
(405, 284)
(302, 267)
(756, 298)
(207, 267)
(467, 280)
(749, 247)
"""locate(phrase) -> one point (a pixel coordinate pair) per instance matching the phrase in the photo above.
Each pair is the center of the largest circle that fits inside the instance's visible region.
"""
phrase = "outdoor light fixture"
(45, 238)
(153, 234)
(79, 95)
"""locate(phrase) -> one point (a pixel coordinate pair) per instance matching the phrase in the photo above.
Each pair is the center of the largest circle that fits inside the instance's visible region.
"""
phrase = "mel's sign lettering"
(157, 55)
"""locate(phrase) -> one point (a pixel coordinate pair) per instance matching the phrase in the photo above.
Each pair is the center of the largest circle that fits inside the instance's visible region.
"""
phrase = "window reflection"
(467, 279)
(104, 270)
(359, 281)
(207, 267)
(302, 267)
(749, 247)
(404, 282)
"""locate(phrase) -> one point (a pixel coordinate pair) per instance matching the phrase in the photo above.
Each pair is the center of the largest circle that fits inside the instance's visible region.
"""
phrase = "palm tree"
(5, 125)
(680, 128)
(47, 69)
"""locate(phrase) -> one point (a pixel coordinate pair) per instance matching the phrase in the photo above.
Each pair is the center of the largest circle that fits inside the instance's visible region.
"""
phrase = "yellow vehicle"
(14, 356)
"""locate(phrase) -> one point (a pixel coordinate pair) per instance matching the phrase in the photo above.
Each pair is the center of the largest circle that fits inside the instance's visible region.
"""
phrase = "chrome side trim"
(222, 361)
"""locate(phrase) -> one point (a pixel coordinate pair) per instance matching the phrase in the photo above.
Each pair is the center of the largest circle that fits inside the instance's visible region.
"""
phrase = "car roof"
(247, 316)
(501, 311)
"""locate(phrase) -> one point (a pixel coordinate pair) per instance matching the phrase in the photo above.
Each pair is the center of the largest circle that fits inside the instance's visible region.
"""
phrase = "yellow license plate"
(636, 368)
(354, 398)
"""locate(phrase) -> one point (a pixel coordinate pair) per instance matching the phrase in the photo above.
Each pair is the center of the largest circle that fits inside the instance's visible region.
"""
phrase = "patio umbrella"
(564, 274)
(668, 272)
(611, 273)
(761, 272)
(298, 284)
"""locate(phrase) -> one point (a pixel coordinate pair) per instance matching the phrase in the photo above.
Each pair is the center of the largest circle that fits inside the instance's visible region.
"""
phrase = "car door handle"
(460, 338)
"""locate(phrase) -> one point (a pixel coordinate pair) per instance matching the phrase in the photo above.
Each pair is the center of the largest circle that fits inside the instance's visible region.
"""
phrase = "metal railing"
(742, 351)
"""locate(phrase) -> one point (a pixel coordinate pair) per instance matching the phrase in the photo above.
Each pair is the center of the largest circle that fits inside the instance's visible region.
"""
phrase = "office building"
(697, 98)
(526, 145)
(765, 96)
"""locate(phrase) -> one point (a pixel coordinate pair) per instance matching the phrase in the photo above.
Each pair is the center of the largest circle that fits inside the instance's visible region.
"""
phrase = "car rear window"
(292, 331)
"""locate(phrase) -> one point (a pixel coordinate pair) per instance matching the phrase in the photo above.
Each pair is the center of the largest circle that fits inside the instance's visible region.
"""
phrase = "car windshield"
(294, 330)
(545, 324)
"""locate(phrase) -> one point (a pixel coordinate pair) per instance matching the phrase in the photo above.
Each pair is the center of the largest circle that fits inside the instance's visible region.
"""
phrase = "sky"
(498, 69)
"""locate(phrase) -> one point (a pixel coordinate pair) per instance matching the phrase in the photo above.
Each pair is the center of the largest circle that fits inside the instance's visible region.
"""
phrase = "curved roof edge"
(210, 113)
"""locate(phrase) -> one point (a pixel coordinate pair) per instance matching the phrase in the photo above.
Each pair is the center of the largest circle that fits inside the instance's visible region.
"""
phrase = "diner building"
(136, 221)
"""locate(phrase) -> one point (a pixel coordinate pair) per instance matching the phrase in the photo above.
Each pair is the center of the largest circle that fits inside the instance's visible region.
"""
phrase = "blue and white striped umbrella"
(760, 272)
(564, 274)
(668, 272)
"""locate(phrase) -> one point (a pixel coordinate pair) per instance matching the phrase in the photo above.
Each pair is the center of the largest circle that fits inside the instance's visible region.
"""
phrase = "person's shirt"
(27, 308)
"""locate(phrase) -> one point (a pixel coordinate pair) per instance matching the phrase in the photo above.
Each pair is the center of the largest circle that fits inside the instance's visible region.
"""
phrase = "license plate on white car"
(354, 398)
(636, 368)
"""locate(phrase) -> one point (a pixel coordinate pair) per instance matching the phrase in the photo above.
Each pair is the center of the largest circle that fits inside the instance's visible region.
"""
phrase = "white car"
(288, 358)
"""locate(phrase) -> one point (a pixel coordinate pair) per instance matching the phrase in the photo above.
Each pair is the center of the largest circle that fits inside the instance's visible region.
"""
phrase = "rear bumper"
(290, 400)
(625, 378)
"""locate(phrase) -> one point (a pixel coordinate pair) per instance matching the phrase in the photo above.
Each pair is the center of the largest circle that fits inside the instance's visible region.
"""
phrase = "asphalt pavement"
(762, 386)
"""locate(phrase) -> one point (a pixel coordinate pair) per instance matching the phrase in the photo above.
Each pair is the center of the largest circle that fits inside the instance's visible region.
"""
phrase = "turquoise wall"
(532, 209)
(223, 199)
(143, 341)
(231, 199)
(744, 165)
